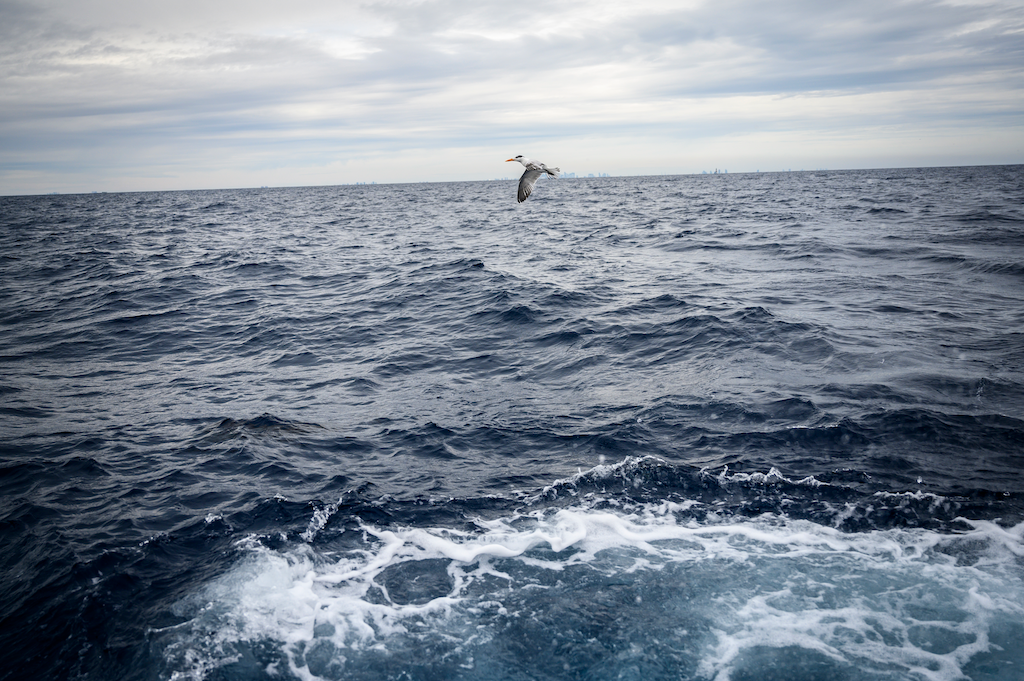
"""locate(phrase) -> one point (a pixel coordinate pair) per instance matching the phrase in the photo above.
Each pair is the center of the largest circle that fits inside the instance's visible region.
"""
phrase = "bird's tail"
(553, 172)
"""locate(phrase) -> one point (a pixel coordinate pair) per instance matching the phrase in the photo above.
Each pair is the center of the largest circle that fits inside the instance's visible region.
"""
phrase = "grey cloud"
(456, 72)
(790, 47)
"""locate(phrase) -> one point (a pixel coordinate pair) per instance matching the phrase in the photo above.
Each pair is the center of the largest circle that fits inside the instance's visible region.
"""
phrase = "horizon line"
(575, 177)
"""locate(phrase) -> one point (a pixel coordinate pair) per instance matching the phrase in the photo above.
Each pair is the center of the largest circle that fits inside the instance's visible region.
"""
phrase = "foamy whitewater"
(729, 428)
(646, 592)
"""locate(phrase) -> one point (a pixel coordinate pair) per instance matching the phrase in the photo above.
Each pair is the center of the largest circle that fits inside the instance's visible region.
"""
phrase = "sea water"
(731, 427)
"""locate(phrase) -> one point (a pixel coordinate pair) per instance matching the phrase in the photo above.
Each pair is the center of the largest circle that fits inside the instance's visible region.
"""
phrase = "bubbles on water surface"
(646, 592)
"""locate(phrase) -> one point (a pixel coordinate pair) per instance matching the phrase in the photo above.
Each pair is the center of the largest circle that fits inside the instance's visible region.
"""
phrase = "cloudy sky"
(109, 95)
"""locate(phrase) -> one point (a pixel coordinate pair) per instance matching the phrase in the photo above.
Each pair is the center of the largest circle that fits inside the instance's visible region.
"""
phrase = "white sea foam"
(773, 476)
(318, 521)
(602, 471)
(730, 594)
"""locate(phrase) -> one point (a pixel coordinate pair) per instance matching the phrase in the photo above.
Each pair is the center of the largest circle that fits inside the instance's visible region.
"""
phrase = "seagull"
(534, 169)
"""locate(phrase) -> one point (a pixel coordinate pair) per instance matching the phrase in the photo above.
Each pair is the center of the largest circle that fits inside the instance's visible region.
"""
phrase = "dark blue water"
(733, 427)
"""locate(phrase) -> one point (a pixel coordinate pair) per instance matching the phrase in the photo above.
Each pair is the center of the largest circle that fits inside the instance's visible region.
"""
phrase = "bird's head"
(519, 158)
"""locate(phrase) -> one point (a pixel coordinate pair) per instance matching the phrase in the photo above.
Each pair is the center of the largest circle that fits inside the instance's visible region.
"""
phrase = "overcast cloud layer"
(111, 95)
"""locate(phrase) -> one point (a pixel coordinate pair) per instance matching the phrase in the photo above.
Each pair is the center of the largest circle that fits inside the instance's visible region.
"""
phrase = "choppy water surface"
(765, 426)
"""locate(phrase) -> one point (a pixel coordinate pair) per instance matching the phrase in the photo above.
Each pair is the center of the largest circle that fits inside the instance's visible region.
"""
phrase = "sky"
(138, 95)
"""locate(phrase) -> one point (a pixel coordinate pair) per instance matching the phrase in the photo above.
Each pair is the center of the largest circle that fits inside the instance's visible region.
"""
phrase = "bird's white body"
(534, 169)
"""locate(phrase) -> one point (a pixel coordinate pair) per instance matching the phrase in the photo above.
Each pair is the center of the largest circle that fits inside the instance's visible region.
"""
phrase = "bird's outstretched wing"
(526, 183)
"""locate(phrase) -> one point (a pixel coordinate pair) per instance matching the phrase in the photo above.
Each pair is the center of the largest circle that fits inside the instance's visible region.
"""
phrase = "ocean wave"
(646, 593)
(360, 432)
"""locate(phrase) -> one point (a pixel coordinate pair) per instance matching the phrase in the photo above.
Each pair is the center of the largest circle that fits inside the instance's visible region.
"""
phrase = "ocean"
(728, 427)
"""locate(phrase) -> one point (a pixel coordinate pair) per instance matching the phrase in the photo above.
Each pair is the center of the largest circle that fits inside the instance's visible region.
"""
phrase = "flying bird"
(534, 169)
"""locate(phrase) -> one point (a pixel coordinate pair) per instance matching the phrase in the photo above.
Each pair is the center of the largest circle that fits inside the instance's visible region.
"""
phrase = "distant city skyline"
(102, 95)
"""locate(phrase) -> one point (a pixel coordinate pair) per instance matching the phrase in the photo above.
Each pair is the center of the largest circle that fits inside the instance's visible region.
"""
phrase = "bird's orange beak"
(509, 159)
